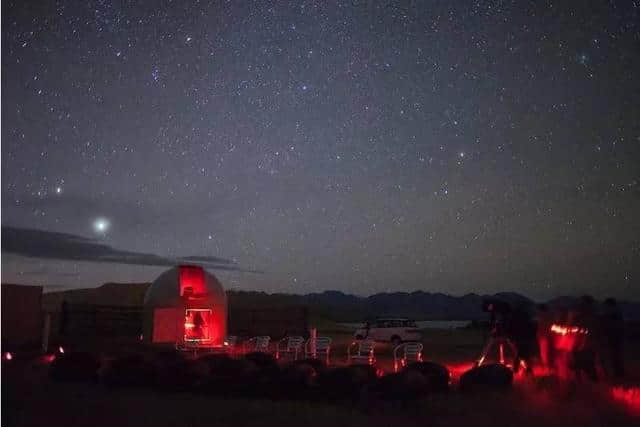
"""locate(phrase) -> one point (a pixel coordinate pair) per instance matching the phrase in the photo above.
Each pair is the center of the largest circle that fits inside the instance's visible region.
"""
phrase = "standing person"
(587, 344)
(613, 329)
(562, 346)
(198, 325)
(522, 332)
(543, 335)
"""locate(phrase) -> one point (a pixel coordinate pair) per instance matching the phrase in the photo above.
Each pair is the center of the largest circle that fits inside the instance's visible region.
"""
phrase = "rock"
(436, 376)
(75, 366)
(132, 370)
(492, 376)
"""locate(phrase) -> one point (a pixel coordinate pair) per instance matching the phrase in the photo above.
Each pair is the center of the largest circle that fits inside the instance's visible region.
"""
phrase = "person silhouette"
(198, 325)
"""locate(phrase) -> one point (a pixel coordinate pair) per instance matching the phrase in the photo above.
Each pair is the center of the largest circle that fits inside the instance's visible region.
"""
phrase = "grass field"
(29, 398)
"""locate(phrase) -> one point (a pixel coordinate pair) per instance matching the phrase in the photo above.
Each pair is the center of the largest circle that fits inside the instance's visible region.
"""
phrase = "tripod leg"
(485, 351)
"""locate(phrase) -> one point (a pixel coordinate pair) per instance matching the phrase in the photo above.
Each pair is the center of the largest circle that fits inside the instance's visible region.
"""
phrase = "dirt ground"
(29, 398)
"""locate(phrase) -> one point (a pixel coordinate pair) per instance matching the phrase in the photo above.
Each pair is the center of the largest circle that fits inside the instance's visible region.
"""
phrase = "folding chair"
(410, 352)
(289, 346)
(259, 344)
(314, 349)
(363, 354)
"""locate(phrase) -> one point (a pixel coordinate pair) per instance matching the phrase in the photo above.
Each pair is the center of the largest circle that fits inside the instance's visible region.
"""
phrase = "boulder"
(75, 366)
(491, 376)
(132, 370)
(345, 382)
(437, 376)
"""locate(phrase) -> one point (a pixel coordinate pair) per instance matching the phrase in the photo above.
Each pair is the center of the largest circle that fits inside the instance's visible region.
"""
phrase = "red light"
(568, 337)
(566, 330)
(628, 396)
(192, 277)
(8, 356)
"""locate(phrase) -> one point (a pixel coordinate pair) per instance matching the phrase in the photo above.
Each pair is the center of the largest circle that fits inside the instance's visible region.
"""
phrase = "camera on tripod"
(499, 316)
(499, 341)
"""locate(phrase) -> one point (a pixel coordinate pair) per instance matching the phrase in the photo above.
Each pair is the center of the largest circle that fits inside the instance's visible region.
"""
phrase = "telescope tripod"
(498, 342)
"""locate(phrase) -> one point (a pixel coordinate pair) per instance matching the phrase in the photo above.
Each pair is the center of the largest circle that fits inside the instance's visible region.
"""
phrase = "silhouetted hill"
(332, 305)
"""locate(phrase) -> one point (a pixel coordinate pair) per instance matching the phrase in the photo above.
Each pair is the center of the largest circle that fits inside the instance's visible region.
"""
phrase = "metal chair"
(321, 346)
(364, 352)
(289, 346)
(257, 344)
(411, 352)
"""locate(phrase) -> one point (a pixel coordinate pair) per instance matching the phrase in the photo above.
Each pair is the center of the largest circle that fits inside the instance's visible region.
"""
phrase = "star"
(101, 225)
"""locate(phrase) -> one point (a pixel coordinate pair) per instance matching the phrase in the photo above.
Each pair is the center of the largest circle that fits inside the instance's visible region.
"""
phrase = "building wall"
(21, 316)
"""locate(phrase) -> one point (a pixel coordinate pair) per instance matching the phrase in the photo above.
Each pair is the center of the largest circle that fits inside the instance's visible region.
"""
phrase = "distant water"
(424, 324)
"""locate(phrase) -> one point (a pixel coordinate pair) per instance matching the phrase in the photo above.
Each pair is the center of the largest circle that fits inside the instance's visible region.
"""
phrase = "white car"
(395, 331)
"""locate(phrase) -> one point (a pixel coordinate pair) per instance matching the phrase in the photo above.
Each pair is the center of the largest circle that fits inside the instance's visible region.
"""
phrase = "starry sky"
(363, 146)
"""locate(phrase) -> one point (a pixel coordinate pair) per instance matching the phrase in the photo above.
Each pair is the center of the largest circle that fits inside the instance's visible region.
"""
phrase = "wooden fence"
(79, 320)
(105, 321)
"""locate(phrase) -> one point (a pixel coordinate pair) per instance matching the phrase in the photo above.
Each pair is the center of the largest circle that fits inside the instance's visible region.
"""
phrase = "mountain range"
(333, 305)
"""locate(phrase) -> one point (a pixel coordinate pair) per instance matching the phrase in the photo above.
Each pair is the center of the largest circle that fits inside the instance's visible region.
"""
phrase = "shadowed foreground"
(30, 398)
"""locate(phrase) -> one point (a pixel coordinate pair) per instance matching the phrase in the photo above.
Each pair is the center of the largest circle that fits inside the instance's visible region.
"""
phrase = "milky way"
(359, 146)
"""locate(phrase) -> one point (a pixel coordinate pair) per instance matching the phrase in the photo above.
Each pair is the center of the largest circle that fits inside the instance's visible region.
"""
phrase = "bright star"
(101, 225)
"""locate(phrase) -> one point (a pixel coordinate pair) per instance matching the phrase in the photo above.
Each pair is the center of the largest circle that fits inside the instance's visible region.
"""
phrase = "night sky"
(446, 146)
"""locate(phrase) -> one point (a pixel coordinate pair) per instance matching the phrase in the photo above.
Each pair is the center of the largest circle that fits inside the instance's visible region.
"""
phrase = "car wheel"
(395, 341)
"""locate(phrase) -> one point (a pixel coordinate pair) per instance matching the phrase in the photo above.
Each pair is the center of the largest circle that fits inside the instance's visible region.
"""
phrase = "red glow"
(48, 358)
(192, 277)
(566, 330)
(198, 325)
(456, 370)
(568, 337)
(628, 396)
(8, 356)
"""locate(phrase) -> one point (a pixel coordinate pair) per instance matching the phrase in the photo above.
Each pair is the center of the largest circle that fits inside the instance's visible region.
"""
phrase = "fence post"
(63, 318)
(313, 334)
(45, 332)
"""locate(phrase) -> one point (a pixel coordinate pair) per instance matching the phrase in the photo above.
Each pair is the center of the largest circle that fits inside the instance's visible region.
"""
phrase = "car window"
(409, 324)
(395, 323)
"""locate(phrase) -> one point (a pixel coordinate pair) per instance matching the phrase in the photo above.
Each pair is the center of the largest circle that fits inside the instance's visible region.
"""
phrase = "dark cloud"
(44, 271)
(199, 258)
(64, 246)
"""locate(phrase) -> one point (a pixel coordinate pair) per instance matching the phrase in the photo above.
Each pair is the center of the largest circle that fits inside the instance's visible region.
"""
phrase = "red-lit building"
(185, 306)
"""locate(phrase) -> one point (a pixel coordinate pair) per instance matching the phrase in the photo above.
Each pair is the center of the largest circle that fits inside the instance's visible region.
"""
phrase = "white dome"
(166, 290)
